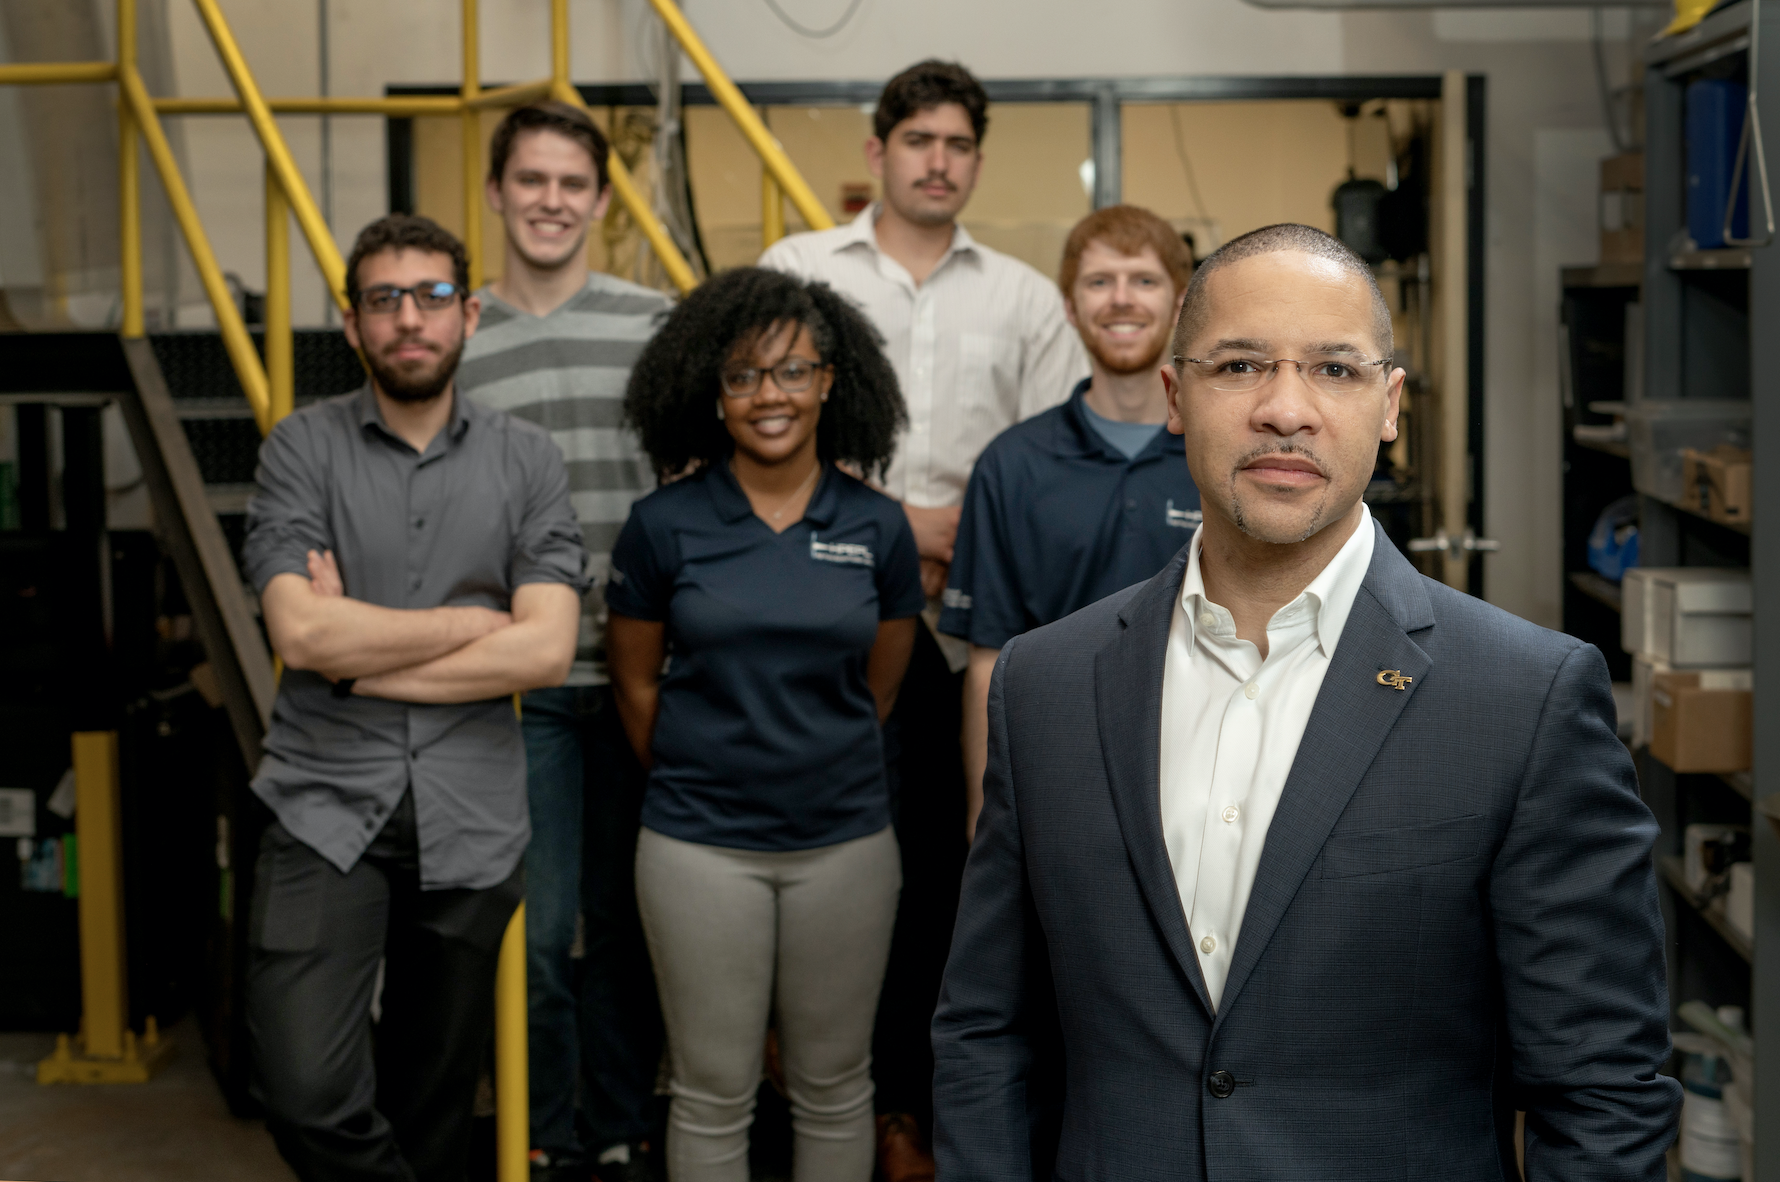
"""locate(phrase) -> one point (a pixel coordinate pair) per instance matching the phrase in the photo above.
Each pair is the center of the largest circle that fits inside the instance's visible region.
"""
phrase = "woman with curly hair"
(781, 591)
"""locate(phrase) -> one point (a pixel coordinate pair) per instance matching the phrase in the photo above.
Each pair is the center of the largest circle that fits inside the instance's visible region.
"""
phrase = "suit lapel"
(1128, 705)
(1352, 717)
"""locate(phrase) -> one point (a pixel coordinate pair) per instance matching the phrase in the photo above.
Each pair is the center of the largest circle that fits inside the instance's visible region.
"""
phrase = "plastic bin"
(1659, 430)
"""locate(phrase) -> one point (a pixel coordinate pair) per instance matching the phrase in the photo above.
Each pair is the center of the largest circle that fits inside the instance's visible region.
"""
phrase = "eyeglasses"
(793, 376)
(1331, 373)
(386, 298)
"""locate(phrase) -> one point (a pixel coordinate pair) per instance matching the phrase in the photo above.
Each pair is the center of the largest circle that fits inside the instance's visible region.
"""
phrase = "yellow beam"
(559, 42)
(398, 106)
(731, 100)
(101, 894)
(236, 342)
(281, 374)
(625, 189)
(472, 142)
(772, 209)
(55, 73)
(129, 185)
(511, 96)
(278, 157)
(512, 1090)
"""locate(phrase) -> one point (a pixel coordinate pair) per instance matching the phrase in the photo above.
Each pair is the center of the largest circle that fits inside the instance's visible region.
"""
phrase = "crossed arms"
(433, 655)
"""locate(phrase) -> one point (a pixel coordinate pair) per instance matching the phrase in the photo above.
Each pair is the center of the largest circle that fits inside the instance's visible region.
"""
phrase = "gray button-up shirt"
(483, 510)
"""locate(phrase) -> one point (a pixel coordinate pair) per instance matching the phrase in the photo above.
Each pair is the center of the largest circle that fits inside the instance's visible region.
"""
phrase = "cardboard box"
(1622, 208)
(1689, 617)
(1718, 483)
(1644, 670)
(1703, 720)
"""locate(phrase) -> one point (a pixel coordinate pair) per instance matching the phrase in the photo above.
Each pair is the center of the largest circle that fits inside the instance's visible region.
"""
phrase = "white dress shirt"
(982, 344)
(1231, 725)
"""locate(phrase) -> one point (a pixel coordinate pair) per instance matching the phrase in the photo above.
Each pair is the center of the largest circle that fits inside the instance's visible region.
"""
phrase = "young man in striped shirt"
(556, 347)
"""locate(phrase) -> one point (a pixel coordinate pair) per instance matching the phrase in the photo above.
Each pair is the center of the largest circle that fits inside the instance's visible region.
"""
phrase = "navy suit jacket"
(1454, 918)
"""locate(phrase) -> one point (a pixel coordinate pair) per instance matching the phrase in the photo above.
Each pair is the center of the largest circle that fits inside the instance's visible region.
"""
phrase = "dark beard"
(415, 387)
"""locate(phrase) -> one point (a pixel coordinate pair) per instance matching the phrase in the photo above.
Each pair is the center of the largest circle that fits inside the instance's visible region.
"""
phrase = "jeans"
(739, 935)
(597, 1019)
(344, 1104)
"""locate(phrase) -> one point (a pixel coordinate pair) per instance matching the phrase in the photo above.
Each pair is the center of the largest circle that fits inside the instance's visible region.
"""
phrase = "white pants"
(739, 934)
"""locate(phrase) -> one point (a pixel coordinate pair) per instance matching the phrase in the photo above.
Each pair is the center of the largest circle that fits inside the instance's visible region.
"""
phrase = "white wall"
(1544, 134)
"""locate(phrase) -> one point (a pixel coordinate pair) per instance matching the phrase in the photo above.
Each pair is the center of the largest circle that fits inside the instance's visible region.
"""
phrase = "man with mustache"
(1294, 863)
(1088, 497)
(418, 564)
(979, 342)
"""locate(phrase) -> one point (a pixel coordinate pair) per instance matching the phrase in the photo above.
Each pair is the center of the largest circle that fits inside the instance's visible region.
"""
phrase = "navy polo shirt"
(767, 736)
(1055, 518)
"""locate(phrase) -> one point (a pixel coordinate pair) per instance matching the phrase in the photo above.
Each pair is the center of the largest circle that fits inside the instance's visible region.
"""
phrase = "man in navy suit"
(1293, 863)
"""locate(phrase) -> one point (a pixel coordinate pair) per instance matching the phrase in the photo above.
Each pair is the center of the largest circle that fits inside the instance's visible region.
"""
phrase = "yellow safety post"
(472, 143)
(55, 73)
(278, 157)
(281, 373)
(108, 1051)
(129, 185)
(731, 100)
(772, 209)
(623, 186)
(236, 342)
(512, 1085)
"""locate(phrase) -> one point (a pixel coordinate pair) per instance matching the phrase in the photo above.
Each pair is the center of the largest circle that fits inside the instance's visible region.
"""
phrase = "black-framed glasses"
(1333, 373)
(386, 298)
(792, 375)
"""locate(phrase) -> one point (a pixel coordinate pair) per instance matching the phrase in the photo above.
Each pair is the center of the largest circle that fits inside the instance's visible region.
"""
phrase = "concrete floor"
(174, 1128)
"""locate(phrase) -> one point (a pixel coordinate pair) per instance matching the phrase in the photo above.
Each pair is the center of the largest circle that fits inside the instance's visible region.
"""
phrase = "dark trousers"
(347, 1101)
(597, 1017)
(927, 780)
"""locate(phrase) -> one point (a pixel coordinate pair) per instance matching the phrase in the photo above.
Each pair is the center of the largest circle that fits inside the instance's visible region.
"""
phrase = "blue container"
(1715, 111)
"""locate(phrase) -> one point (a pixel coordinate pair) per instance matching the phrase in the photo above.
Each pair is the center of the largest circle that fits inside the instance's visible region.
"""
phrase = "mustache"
(936, 179)
(1281, 449)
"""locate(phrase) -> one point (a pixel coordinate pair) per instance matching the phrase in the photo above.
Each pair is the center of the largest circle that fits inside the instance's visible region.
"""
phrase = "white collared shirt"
(982, 344)
(1231, 725)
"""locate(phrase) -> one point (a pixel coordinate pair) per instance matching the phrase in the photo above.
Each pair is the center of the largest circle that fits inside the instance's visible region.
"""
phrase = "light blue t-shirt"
(1129, 438)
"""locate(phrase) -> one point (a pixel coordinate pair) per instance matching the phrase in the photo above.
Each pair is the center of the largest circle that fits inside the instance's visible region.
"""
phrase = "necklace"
(798, 492)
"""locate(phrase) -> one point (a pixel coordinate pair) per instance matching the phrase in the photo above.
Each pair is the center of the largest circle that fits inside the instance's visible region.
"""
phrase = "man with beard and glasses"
(418, 564)
(979, 342)
(555, 347)
(1088, 497)
(1293, 862)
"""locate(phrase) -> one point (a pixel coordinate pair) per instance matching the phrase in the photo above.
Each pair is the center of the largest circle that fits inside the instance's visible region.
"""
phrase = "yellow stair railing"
(269, 384)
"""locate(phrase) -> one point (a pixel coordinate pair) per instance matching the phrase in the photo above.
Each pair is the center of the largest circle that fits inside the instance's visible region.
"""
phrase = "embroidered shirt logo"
(1183, 518)
(850, 553)
(955, 598)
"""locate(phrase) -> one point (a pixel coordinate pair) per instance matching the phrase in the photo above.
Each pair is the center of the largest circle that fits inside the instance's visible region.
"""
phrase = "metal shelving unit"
(1698, 309)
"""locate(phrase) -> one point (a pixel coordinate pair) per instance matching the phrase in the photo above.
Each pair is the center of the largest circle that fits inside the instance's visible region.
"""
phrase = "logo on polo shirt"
(850, 553)
(956, 599)
(1183, 518)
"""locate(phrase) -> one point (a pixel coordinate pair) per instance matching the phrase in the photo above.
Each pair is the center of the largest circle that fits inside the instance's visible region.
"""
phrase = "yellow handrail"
(56, 73)
(511, 96)
(129, 185)
(236, 342)
(470, 122)
(725, 92)
(278, 157)
(281, 370)
(512, 1087)
(398, 106)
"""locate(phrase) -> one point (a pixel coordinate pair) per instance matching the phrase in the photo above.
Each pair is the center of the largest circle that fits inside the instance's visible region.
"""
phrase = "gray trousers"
(739, 935)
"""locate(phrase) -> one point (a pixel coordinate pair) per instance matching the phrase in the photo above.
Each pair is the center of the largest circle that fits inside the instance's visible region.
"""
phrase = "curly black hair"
(677, 382)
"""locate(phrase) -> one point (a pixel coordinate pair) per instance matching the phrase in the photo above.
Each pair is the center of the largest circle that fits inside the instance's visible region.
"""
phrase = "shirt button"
(414, 754)
(1206, 619)
(1231, 812)
(1251, 691)
(1130, 504)
(419, 522)
(1221, 1084)
(414, 585)
(1208, 945)
(370, 822)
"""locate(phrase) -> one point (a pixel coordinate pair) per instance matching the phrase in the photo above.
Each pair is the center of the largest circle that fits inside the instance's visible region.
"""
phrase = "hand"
(935, 532)
(324, 574)
(933, 577)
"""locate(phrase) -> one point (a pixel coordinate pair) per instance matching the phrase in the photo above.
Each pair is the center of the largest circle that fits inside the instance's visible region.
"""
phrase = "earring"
(720, 409)
(824, 398)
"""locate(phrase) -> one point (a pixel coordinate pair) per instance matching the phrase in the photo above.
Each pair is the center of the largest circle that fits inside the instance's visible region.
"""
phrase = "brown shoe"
(902, 1151)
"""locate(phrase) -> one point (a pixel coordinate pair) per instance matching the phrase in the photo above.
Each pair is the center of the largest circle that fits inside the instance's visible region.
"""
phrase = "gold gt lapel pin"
(1394, 678)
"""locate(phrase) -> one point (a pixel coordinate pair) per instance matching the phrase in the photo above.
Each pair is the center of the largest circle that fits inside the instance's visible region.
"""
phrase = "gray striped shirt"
(566, 372)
